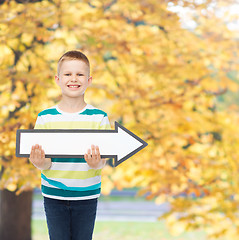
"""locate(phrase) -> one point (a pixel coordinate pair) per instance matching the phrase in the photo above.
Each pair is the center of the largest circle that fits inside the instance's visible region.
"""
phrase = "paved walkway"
(118, 210)
(130, 211)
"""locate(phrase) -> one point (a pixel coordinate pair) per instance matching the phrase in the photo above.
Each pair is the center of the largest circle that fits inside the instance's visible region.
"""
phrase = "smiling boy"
(71, 186)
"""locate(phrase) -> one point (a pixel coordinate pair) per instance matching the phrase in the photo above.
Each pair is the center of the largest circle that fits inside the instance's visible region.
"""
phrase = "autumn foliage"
(152, 72)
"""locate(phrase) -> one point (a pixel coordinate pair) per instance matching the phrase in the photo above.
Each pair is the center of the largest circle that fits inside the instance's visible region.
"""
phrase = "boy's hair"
(73, 55)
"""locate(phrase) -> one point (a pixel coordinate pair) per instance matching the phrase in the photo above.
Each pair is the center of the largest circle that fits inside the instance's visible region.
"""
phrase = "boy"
(71, 186)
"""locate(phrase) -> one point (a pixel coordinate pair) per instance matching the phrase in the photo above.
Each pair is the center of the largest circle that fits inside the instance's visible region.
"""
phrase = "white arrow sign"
(119, 144)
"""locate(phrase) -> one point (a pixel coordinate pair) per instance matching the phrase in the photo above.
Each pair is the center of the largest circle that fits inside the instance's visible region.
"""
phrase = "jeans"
(70, 220)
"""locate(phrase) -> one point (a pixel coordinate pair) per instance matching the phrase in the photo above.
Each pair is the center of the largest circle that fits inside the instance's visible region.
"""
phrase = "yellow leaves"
(189, 105)
(222, 224)
(97, 3)
(149, 72)
(195, 173)
(107, 184)
(26, 187)
(9, 182)
(136, 51)
(232, 86)
(158, 151)
(171, 60)
(178, 228)
(20, 177)
(5, 50)
(6, 58)
(27, 38)
(11, 187)
(161, 199)
(175, 225)
(198, 148)
(213, 152)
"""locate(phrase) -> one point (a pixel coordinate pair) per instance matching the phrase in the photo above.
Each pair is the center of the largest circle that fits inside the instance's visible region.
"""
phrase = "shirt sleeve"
(105, 123)
(40, 123)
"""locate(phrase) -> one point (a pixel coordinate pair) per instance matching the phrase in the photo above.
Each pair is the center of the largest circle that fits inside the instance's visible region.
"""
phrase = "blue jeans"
(70, 220)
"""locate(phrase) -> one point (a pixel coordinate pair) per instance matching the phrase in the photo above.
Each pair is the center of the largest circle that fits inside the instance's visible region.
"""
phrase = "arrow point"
(131, 144)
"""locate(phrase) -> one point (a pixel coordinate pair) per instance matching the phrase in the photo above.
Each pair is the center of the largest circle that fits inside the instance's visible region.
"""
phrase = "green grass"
(105, 230)
(39, 230)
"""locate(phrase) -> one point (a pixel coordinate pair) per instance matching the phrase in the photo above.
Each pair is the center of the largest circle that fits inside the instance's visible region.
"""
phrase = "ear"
(89, 81)
(57, 79)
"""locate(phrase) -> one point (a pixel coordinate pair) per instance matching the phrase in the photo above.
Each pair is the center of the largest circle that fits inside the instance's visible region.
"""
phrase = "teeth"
(73, 86)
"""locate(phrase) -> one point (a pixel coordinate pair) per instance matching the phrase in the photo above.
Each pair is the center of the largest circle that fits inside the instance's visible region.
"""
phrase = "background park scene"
(166, 70)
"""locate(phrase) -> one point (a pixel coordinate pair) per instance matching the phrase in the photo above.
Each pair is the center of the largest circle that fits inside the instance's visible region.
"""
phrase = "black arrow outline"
(115, 157)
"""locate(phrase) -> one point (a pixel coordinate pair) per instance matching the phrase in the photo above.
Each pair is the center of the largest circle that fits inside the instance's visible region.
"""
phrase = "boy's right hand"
(37, 158)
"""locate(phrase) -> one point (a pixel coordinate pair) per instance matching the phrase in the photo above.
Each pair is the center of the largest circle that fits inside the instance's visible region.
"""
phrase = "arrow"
(119, 144)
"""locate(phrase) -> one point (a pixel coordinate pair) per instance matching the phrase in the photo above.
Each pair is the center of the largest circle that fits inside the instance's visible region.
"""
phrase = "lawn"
(118, 230)
(106, 230)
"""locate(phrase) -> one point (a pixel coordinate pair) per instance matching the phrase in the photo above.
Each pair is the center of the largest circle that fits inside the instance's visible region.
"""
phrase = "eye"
(67, 74)
(79, 74)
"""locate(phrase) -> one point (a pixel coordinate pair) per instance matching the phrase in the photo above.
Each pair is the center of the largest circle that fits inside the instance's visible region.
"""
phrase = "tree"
(168, 92)
(26, 74)
(152, 74)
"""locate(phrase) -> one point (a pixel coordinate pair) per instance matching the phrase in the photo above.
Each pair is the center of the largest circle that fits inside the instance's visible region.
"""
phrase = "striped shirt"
(71, 178)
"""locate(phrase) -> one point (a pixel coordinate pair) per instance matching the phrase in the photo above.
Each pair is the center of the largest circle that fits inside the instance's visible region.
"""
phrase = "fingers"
(97, 151)
(42, 154)
(94, 152)
(33, 151)
(37, 157)
(93, 158)
(37, 153)
(88, 155)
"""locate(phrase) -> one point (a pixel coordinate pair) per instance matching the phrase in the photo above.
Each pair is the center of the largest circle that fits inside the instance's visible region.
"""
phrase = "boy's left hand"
(93, 158)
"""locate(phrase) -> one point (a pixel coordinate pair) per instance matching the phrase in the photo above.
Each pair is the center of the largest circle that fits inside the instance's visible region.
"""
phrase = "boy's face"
(73, 78)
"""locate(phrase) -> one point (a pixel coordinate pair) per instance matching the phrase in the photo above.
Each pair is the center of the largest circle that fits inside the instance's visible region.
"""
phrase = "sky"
(186, 13)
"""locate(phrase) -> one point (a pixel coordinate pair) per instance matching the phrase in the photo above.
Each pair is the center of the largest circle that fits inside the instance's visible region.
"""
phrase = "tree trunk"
(15, 215)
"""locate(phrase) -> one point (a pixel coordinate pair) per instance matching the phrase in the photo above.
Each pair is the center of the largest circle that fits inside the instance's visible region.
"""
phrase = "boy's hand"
(37, 157)
(93, 158)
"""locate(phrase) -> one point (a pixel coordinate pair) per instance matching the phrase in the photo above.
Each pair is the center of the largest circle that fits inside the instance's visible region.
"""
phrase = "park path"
(122, 210)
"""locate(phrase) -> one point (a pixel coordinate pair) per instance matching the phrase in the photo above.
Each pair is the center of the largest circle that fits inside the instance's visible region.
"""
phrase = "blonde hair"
(72, 55)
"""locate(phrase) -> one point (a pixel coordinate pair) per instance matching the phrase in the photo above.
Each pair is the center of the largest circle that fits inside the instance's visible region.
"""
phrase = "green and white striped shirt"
(71, 178)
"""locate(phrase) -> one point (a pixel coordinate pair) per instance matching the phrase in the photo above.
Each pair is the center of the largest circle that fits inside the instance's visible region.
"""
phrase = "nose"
(74, 78)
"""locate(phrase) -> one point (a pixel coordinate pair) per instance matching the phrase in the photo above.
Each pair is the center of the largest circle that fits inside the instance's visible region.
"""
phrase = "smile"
(73, 86)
